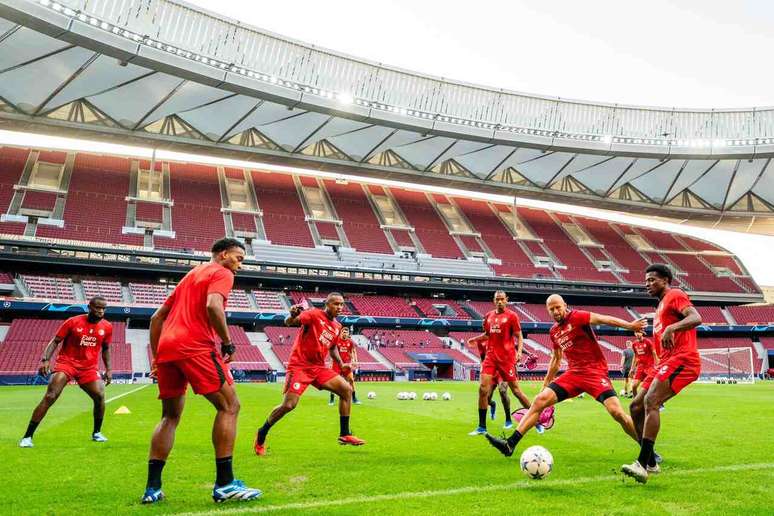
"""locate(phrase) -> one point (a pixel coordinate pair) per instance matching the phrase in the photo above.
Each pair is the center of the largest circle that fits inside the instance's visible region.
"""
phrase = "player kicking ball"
(502, 330)
(83, 337)
(348, 353)
(320, 334)
(573, 337)
(674, 332)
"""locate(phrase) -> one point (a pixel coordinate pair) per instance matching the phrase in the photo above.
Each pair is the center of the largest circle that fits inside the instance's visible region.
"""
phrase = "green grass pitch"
(717, 442)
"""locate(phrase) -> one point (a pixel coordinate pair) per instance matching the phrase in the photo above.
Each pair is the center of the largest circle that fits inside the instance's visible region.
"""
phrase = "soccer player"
(626, 367)
(502, 330)
(82, 338)
(645, 360)
(573, 338)
(184, 332)
(319, 334)
(348, 354)
(480, 342)
(674, 331)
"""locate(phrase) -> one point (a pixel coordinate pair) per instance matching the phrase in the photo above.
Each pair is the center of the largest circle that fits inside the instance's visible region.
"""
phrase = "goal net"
(726, 364)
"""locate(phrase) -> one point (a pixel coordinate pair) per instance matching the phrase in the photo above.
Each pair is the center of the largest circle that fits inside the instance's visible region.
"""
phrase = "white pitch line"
(525, 484)
(127, 393)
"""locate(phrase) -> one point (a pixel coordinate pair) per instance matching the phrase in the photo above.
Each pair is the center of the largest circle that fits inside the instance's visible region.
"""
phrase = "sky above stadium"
(691, 53)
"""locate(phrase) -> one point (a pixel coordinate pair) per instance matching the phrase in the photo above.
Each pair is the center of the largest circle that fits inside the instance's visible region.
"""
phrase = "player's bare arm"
(691, 319)
(636, 326)
(354, 358)
(333, 351)
(553, 366)
(292, 319)
(45, 361)
(156, 324)
(107, 377)
(519, 346)
(216, 312)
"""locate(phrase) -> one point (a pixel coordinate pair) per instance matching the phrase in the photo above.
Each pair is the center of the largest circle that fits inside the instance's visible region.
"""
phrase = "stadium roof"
(166, 74)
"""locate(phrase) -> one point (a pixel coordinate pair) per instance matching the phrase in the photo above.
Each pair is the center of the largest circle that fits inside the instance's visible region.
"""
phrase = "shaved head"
(556, 307)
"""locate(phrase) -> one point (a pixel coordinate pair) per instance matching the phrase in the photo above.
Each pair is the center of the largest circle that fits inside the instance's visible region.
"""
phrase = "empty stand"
(49, 287)
(360, 222)
(153, 294)
(196, 216)
(283, 214)
(382, 306)
(762, 314)
(430, 229)
(428, 307)
(268, 301)
(12, 162)
(110, 290)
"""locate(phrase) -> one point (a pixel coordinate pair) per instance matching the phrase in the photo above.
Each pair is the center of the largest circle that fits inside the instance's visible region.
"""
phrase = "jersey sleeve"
(221, 283)
(680, 301)
(582, 317)
(64, 329)
(108, 339)
(305, 317)
(170, 301)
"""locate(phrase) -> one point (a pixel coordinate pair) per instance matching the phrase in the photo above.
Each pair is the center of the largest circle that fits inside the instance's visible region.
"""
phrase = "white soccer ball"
(536, 462)
(426, 396)
(446, 396)
(371, 395)
(622, 393)
(412, 395)
(401, 395)
(433, 395)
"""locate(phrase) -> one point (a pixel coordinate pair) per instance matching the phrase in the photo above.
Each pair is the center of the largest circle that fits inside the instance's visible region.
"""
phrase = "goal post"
(727, 364)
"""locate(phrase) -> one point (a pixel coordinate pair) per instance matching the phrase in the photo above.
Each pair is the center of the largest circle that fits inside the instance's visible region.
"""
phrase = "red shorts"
(205, 372)
(500, 371)
(297, 379)
(80, 375)
(643, 372)
(346, 372)
(679, 370)
(595, 383)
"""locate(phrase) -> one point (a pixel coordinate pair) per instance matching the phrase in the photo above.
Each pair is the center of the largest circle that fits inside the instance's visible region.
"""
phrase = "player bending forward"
(348, 354)
(572, 337)
(84, 336)
(674, 331)
(319, 335)
(183, 336)
(502, 331)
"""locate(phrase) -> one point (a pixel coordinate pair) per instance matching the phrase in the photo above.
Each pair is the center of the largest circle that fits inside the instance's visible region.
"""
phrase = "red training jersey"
(643, 350)
(576, 338)
(670, 311)
(83, 341)
(345, 349)
(187, 331)
(317, 335)
(502, 330)
(482, 347)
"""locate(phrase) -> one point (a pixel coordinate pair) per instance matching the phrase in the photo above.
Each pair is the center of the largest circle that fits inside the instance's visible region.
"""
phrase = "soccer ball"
(622, 393)
(536, 462)
(433, 395)
(402, 396)
(371, 395)
(426, 396)
(412, 395)
(446, 396)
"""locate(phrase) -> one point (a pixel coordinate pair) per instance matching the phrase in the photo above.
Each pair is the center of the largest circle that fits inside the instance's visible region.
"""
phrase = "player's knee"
(542, 400)
(652, 402)
(483, 391)
(503, 388)
(288, 405)
(347, 390)
(232, 407)
(50, 398)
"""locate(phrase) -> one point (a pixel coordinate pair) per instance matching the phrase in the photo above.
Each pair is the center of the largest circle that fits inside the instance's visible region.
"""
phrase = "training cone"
(123, 409)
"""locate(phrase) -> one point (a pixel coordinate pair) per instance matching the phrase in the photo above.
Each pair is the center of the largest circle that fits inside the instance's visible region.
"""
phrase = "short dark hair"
(662, 270)
(224, 244)
(333, 294)
(501, 292)
(97, 298)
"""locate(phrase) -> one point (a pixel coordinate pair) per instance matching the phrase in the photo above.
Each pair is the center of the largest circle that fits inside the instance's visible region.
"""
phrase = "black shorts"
(626, 372)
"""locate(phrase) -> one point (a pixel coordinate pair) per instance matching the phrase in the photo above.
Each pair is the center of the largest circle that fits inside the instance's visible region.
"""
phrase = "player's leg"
(635, 386)
(351, 380)
(637, 411)
(614, 408)
(502, 387)
(96, 391)
(343, 389)
(331, 399)
(161, 444)
(55, 386)
(289, 402)
(516, 390)
(485, 390)
(548, 397)
(226, 403)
